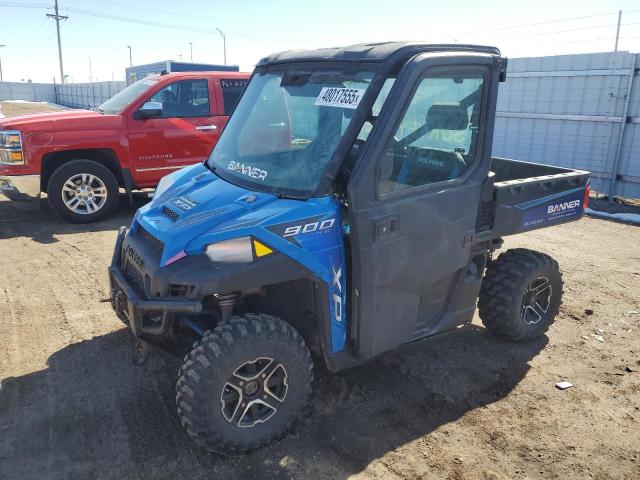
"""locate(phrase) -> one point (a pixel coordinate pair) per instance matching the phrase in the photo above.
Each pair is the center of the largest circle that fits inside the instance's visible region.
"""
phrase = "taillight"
(587, 191)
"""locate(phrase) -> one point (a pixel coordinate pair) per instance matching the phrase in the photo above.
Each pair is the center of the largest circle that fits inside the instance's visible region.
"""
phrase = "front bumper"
(145, 317)
(21, 188)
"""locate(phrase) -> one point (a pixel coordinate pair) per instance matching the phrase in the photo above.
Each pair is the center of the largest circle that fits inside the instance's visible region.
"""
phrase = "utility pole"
(224, 44)
(57, 17)
(1, 46)
(130, 57)
(191, 49)
(90, 73)
(618, 30)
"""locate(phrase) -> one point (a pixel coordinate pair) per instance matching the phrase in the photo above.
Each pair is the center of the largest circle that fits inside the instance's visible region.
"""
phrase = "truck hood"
(59, 120)
(200, 208)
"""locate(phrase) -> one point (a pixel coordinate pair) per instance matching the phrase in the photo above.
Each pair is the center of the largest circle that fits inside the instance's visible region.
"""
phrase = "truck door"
(185, 133)
(230, 91)
(414, 199)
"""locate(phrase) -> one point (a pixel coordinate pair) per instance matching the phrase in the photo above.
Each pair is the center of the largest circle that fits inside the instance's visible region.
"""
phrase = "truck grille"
(170, 213)
(134, 275)
(154, 242)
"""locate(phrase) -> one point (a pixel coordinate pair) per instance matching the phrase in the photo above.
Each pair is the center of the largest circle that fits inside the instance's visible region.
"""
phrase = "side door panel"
(184, 135)
(228, 92)
(414, 271)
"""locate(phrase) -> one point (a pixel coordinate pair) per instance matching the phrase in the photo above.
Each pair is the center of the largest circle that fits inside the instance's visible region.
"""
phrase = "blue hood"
(199, 208)
(195, 208)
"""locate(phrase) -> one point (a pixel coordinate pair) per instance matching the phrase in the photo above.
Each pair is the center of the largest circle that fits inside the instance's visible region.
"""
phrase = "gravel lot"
(465, 405)
(10, 108)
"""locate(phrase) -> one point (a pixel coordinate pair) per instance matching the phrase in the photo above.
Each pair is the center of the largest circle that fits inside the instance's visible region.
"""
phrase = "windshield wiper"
(211, 168)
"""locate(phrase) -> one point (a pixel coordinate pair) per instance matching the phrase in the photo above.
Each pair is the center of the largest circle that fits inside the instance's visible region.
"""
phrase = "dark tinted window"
(231, 91)
(186, 98)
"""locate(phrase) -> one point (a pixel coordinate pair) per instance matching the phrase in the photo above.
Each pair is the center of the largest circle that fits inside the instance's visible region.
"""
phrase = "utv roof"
(370, 52)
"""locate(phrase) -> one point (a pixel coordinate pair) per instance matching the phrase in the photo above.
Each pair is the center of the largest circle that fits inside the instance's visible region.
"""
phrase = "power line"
(24, 5)
(555, 32)
(547, 22)
(140, 21)
(592, 40)
(42, 33)
(37, 32)
(154, 23)
(179, 27)
(167, 12)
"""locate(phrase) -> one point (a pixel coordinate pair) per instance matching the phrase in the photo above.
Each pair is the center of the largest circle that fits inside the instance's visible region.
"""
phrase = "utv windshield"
(123, 98)
(286, 128)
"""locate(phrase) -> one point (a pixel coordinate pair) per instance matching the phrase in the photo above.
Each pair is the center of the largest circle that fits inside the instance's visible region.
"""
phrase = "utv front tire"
(520, 295)
(82, 191)
(244, 384)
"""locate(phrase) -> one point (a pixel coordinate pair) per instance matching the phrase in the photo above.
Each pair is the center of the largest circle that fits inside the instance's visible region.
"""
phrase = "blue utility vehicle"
(350, 206)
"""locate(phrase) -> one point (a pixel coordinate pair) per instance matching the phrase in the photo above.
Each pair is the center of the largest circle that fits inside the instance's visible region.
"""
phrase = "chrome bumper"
(21, 188)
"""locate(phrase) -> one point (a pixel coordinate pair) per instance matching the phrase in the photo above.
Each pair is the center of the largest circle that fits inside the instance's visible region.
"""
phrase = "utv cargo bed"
(521, 196)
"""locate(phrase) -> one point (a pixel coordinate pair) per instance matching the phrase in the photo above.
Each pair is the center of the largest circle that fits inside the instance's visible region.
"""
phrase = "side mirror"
(149, 110)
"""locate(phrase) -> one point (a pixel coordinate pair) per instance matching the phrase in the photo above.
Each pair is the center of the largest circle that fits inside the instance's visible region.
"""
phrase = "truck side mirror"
(447, 116)
(149, 110)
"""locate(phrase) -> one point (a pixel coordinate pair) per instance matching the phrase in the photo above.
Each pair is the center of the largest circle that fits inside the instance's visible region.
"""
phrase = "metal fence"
(76, 95)
(580, 111)
(87, 95)
(32, 92)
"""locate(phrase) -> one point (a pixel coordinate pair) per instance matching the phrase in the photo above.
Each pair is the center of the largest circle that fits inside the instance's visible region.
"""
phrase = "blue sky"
(255, 28)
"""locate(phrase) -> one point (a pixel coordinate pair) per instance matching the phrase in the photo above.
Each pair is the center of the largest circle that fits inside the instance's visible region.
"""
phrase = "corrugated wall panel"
(87, 95)
(33, 92)
(567, 110)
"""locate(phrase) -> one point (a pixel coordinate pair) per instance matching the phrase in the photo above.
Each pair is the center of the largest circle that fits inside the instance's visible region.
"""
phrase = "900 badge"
(301, 227)
(308, 227)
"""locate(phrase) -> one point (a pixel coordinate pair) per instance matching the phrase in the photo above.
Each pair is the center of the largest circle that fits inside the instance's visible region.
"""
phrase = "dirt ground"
(461, 406)
(12, 108)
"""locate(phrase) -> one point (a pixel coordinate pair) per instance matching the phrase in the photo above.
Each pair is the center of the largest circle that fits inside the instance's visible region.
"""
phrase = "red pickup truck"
(81, 158)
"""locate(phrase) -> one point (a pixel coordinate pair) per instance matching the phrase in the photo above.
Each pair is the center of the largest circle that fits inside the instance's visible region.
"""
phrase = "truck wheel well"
(104, 156)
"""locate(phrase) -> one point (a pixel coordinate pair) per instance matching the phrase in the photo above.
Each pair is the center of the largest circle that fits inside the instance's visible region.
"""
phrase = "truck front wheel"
(520, 295)
(83, 191)
(244, 384)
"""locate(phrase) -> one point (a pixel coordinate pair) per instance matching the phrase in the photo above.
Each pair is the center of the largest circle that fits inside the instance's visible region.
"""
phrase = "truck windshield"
(286, 128)
(120, 100)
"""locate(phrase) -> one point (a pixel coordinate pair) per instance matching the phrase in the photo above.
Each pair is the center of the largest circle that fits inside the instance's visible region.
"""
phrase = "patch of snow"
(625, 217)
(24, 101)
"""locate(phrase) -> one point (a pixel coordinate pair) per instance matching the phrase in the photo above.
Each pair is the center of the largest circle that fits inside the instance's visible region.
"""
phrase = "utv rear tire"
(244, 384)
(97, 199)
(520, 295)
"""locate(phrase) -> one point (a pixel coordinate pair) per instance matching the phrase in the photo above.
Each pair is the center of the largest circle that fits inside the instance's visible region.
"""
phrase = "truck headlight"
(237, 250)
(11, 148)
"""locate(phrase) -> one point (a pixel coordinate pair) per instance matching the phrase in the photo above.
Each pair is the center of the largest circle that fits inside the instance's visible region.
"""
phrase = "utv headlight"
(237, 250)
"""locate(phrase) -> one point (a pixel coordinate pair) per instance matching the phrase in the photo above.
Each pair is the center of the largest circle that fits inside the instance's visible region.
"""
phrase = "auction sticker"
(340, 97)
